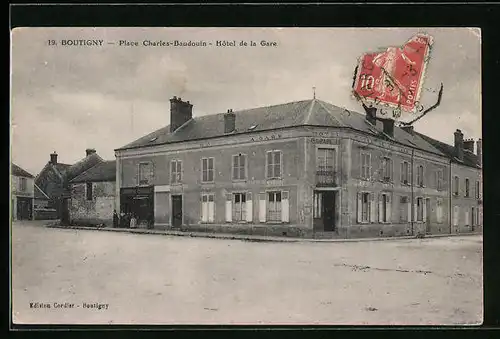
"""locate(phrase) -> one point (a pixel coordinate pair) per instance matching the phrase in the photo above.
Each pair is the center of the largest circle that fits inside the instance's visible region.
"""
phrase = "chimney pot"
(408, 129)
(229, 121)
(180, 113)
(388, 127)
(459, 144)
(89, 151)
(53, 158)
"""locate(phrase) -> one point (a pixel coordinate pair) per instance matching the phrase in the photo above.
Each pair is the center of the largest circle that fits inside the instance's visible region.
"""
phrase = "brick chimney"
(469, 145)
(180, 113)
(388, 126)
(89, 151)
(459, 144)
(479, 151)
(53, 158)
(229, 121)
(408, 129)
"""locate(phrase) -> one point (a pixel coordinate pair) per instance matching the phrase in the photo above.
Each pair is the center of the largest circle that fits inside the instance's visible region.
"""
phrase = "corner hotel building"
(300, 169)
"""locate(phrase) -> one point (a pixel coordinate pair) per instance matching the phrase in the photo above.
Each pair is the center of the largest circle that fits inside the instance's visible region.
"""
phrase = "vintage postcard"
(246, 176)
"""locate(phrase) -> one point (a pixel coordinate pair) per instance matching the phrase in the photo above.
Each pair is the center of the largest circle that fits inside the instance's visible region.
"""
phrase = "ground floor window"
(274, 206)
(439, 211)
(207, 207)
(404, 209)
(317, 205)
(384, 207)
(473, 217)
(365, 207)
(456, 211)
(420, 209)
(239, 207)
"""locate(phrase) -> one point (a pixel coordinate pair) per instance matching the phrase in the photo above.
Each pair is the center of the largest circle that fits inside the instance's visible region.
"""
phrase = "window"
(473, 217)
(273, 164)
(175, 171)
(23, 183)
(364, 207)
(404, 209)
(439, 179)
(88, 191)
(405, 172)
(420, 175)
(365, 166)
(384, 208)
(439, 211)
(326, 159)
(239, 167)
(467, 187)
(456, 185)
(317, 204)
(207, 207)
(145, 173)
(274, 206)
(387, 169)
(207, 165)
(478, 190)
(239, 207)
(456, 211)
(420, 209)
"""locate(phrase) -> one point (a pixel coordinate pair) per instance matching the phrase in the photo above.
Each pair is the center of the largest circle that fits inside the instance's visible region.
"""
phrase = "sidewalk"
(256, 238)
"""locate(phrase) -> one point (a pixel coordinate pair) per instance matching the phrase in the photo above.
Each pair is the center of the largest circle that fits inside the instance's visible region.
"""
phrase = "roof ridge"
(341, 123)
(88, 169)
(41, 191)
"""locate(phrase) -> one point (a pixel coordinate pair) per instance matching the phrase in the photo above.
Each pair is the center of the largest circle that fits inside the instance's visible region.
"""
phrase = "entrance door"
(329, 211)
(65, 211)
(428, 216)
(176, 210)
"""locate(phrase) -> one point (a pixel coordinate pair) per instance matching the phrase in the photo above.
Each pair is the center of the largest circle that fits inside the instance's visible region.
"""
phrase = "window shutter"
(370, 168)
(380, 207)
(372, 207)
(249, 207)
(262, 207)
(466, 218)
(389, 209)
(402, 171)
(424, 210)
(229, 207)
(151, 173)
(204, 208)
(285, 207)
(409, 211)
(415, 210)
(359, 208)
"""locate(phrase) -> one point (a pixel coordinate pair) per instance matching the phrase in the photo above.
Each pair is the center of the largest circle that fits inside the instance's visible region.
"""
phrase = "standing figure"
(116, 219)
(133, 221)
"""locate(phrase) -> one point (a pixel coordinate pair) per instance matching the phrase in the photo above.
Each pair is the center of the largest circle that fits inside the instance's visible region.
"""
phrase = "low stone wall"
(45, 214)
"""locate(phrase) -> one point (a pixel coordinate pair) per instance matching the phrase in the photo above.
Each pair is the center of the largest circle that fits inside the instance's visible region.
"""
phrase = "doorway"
(24, 208)
(176, 210)
(428, 216)
(324, 211)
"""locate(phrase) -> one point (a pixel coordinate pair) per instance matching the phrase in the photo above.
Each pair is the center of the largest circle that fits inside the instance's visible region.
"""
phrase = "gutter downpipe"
(412, 195)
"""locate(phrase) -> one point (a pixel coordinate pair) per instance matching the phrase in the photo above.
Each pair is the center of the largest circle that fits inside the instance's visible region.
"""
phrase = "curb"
(249, 237)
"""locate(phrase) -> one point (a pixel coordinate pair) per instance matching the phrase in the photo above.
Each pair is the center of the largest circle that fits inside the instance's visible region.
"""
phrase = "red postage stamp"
(394, 77)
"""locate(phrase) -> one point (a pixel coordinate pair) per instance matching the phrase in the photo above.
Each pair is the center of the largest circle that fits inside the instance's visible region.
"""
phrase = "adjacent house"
(22, 193)
(54, 179)
(466, 181)
(306, 168)
(93, 195)
(41, 205)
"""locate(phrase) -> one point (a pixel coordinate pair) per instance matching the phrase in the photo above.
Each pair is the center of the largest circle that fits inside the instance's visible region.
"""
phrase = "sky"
(70, 98)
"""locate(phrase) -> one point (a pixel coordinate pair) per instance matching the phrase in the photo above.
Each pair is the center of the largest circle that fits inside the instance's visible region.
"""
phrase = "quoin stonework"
(305, 169)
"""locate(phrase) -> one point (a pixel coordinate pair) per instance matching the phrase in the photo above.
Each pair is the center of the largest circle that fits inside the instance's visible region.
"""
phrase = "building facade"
(93, 195)
(54, 179)
(306, 168)
(22, 194)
